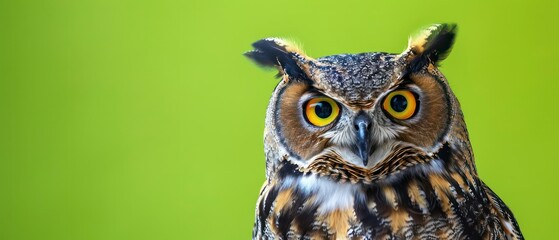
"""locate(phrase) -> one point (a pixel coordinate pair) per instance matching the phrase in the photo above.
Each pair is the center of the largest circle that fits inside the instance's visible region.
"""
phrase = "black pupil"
(399, 103)
(323, 109)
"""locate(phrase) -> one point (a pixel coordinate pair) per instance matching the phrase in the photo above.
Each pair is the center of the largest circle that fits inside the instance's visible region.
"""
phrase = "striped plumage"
(383, 177)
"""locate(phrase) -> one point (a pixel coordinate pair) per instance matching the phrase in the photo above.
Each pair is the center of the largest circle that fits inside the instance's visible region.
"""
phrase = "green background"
(142, 120)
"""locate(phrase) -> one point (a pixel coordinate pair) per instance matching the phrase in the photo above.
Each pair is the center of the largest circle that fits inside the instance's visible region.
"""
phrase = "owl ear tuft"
(432, 44)
(279, 53)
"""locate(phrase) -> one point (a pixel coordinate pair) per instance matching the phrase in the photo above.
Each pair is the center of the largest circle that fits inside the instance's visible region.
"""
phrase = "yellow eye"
(400, 104)
(321, 111)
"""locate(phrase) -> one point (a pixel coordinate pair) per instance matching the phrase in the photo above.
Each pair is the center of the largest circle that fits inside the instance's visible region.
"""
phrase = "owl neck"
(402, 161)
(423, 190)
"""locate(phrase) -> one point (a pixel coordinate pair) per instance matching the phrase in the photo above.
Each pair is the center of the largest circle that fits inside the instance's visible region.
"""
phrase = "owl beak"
(362, 127)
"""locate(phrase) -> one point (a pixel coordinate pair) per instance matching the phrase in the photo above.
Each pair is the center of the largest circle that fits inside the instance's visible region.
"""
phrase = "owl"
(371, 146)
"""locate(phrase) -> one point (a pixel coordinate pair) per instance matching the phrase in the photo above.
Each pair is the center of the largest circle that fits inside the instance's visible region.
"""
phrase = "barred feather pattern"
(406, 196)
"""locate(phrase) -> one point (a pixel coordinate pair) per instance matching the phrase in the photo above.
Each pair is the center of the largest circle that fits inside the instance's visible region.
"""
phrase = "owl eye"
(321, 111)
(400, 104)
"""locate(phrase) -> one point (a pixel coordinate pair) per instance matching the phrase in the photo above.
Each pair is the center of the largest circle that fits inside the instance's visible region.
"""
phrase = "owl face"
(358, 107)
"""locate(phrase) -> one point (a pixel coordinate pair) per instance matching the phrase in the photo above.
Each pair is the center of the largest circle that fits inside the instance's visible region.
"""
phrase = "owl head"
(360, 111)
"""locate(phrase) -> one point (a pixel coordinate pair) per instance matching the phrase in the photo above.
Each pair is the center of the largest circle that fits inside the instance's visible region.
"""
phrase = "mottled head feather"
(354, 78)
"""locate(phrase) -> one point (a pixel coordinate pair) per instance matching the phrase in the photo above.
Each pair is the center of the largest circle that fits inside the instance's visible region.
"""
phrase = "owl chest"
(314, 207)
(306, 207)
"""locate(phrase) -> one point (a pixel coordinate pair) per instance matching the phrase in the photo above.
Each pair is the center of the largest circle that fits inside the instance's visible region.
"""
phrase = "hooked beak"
(362, 125)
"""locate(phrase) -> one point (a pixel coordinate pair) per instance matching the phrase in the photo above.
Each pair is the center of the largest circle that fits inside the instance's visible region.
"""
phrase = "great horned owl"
(371, 146)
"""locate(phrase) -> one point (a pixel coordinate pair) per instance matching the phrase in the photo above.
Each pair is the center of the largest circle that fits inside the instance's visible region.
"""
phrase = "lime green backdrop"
(142, 120)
